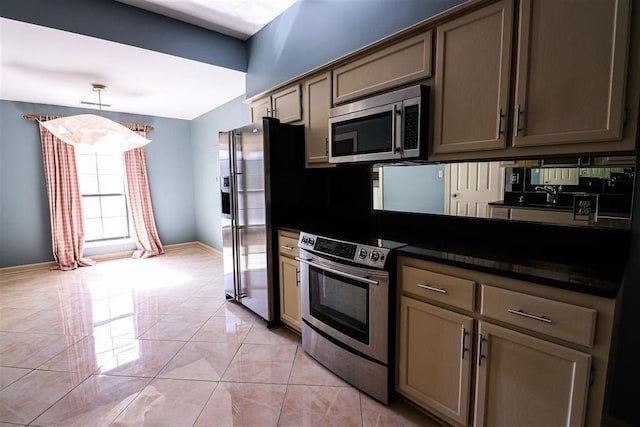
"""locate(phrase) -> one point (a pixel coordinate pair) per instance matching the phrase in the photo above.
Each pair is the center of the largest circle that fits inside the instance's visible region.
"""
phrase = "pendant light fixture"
(98, 132)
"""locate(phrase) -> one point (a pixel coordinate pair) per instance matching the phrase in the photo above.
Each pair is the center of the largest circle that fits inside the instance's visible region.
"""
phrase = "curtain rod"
(35, 117)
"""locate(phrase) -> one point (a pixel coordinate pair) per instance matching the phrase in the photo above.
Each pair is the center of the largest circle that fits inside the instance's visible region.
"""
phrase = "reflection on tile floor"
(153, 342)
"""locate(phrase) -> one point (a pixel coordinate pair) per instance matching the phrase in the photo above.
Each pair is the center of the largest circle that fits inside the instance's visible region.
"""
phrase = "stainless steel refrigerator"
(259, 164)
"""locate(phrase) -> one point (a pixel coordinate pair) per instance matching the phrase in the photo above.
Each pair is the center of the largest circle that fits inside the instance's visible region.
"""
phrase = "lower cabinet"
(289, 269)
(524, 355)
(290, 292)
(522, 380)
(434, 359)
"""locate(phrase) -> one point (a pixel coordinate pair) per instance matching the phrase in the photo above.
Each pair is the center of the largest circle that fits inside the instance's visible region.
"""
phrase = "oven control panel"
(358, 253)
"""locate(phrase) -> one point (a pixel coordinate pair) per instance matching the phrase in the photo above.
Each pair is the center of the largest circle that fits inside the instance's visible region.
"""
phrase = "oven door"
(346, 303)
(368, 135)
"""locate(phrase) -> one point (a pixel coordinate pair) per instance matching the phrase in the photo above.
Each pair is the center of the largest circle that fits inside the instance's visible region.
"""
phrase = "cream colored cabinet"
(525, 381)
(284, 105)
(289, 279)
(473, 58)
(568, 87)
(538, 356)
(316, 105)
(569, 77)
(434, 358)
(403, 62)
(260, 108)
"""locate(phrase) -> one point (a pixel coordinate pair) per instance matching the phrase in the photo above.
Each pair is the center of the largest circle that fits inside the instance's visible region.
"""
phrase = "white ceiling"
(47, 66)
(237, 18)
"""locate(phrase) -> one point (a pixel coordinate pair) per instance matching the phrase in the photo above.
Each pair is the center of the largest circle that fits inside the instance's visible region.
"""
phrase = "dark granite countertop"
(585, 272)
(602, 279)
(531, 205)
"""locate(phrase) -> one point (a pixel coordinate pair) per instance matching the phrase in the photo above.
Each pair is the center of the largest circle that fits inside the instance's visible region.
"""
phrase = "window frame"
(83, 151)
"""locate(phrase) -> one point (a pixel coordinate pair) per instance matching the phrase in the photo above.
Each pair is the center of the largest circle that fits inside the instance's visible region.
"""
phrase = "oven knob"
(375, 256)
(311, 241)
(363, 254)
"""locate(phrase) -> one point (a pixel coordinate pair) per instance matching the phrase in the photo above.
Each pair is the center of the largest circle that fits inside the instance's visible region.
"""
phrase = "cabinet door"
(435, 359)
(261, 108)
(290, 292)
(525, 381)
(286, 104)
(570, 71)
(317, 102)
(404, 62)
(473, 55)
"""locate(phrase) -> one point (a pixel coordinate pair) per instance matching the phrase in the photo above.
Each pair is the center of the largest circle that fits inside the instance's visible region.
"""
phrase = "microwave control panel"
(411, 127)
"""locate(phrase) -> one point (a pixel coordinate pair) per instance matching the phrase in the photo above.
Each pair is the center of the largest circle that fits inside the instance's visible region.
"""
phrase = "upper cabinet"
(316, 104)
(284, 105)
(260, 108)
(473, 58)
(570, 71)
(567, 81)
(404, 62)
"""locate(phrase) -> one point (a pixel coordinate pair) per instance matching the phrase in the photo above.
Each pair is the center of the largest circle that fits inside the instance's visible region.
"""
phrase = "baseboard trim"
(50, 265)
(24, 268)
(210, 249)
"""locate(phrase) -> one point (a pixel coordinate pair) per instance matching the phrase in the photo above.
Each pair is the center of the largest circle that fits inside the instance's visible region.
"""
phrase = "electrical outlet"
(585, 207)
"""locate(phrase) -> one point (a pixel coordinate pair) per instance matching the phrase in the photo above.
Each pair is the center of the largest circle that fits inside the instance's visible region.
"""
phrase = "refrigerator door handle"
(237, 275)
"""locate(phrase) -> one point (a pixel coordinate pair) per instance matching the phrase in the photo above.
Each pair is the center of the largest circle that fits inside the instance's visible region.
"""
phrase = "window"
(104, 203)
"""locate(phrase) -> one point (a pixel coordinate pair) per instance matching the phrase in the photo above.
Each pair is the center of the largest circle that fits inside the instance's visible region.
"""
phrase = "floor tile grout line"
(19, 378)
(206, 403)
(58, 400)
(132, 400)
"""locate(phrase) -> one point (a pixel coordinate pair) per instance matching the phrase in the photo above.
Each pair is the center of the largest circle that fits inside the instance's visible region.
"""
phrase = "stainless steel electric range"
(347, 292)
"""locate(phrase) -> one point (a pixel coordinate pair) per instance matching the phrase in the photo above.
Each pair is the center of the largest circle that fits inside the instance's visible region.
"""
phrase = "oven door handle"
(339, 273)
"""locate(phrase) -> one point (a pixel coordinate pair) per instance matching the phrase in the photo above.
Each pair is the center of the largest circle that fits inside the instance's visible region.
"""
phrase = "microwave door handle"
(396, 129)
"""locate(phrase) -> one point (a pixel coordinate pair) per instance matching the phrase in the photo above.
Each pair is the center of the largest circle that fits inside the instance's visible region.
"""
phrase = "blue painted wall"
(25, 235)
(313, 32)
(204, 137)
(119, 22)
(417, 189)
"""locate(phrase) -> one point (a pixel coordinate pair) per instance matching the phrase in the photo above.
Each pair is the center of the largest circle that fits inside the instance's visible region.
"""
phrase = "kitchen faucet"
(552, 192)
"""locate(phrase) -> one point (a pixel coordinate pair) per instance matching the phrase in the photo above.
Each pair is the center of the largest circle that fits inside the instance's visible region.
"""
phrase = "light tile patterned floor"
(154, 343)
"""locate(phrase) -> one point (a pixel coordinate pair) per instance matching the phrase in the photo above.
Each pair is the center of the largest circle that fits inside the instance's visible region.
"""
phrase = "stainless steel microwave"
(386, 127)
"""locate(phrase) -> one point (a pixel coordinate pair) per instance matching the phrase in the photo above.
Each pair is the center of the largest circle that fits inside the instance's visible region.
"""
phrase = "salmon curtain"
(144, 225)
(65, 202)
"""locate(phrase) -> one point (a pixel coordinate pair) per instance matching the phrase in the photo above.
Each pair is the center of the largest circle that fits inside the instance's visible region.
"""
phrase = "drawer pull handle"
(530, 316)
(431, 288)
(289, 248)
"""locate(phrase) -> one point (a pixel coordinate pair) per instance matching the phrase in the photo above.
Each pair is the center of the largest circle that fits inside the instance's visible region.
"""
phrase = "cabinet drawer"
(438, 287)
(288, 246)
(557, 319)
(404, 62)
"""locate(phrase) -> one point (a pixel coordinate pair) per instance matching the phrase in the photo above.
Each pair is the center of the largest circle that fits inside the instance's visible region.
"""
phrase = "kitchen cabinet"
(540, 353)
(568, 85)
(434, 353)
(284, 105)
(434, 361)
(533, 214)
(289, 284)
(317, 102)
(521, 380)
(403, 62)
(260, 108)
(473, 59)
